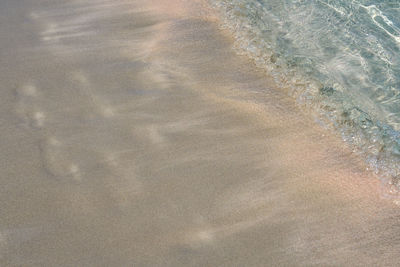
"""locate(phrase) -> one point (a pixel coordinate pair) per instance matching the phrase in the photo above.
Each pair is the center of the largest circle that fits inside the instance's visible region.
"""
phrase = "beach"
(133, 134)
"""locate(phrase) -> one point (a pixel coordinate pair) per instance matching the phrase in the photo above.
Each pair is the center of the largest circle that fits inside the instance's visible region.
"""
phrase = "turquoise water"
(339, 59)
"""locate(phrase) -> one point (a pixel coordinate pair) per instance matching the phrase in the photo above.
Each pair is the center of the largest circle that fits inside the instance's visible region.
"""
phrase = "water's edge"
(133, 135)
(331, 106)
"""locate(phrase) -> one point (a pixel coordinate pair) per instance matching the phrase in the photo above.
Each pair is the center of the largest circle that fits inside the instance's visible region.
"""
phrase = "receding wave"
(339, 59)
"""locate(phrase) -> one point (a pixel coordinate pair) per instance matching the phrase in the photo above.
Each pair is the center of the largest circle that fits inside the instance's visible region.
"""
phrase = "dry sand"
(133, 135)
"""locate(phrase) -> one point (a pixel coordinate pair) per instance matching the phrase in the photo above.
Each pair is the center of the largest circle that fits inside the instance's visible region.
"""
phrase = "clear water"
(339, 58)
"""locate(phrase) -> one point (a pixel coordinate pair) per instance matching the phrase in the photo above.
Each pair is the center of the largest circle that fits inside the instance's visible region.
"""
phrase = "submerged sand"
(132, 134)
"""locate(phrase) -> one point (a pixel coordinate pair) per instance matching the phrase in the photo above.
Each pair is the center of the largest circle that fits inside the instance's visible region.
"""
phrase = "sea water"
(340, 59)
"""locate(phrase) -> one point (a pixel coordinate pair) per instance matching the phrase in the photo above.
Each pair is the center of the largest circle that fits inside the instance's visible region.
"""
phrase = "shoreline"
(369, 137)
(186, 11)
(146, 140)
(344, 175)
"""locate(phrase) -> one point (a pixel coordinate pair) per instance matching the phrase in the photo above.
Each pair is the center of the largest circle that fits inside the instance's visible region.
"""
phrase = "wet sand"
(132, 134)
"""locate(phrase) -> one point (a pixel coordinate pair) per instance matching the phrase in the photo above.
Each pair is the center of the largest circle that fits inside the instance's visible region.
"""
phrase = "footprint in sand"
(122, 181)
(58, 161)
(28, 106)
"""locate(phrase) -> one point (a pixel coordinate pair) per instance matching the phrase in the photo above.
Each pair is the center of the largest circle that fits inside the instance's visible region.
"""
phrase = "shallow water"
(340, 59)
(133, 135)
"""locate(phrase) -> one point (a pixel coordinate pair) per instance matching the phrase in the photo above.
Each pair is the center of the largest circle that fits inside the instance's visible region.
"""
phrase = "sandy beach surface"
(132, 134)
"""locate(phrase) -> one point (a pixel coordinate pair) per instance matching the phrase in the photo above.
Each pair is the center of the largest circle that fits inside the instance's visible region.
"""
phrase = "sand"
(132, 134)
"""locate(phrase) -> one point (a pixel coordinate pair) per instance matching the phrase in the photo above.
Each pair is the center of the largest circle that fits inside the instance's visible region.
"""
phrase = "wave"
(339, 59)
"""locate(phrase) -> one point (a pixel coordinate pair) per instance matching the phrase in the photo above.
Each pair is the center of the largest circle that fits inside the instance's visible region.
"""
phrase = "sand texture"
(132, 134)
